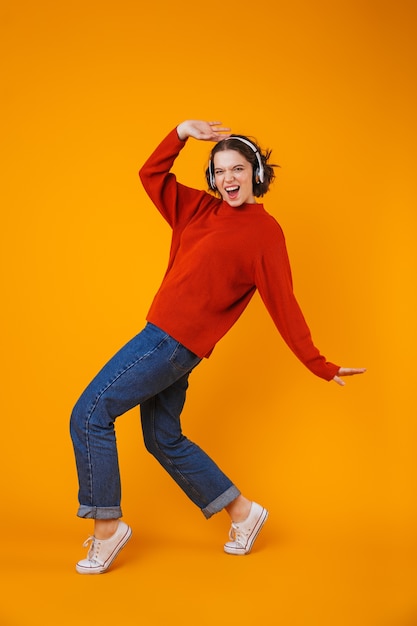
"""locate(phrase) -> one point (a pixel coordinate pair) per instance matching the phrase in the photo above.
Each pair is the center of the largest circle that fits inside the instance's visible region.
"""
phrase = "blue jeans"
(151, 370)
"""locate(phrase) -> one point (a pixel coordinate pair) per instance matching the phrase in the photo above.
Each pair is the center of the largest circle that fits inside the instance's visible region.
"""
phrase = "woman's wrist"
(182, 131)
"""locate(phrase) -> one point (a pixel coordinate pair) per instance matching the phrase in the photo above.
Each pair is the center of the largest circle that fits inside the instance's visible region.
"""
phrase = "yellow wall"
(88, 90)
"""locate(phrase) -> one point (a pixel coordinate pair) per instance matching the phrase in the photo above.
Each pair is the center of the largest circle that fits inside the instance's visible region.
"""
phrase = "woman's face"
(233, 176)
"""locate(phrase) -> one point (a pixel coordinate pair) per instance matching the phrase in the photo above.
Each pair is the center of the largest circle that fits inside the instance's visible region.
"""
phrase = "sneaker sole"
(258, 527)
(100, 570)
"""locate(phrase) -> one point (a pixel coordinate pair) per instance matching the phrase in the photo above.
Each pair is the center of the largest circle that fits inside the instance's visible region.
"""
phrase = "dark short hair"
(233, 143)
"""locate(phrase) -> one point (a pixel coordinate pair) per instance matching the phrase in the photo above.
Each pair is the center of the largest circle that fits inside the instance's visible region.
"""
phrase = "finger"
(339, 381)
(221, 129)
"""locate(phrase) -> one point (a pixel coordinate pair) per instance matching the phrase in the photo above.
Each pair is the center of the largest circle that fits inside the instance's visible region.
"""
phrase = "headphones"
(259, 172)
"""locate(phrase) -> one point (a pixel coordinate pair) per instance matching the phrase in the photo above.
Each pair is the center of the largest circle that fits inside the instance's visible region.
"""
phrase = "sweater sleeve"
(274, 283)
(175, 202)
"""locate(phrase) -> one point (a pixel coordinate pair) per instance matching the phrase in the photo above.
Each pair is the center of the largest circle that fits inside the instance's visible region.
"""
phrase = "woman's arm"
(175, 201)
(274, 282)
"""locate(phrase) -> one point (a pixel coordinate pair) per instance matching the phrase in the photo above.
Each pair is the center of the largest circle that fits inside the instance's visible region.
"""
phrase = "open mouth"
(232, 192)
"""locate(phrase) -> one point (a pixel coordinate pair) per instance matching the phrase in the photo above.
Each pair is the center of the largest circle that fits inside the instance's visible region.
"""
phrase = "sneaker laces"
(236, 534)
(93, 549)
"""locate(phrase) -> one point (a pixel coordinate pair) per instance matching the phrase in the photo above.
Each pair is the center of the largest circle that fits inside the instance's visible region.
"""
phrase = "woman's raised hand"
(347, 371)
(206, 131)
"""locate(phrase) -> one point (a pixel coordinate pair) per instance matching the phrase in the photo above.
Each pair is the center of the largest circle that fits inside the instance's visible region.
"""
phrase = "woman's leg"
(198, 476)
(149, 363)
(192, 469)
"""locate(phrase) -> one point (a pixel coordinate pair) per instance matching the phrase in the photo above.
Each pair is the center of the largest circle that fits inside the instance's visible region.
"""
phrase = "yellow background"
(88, 90)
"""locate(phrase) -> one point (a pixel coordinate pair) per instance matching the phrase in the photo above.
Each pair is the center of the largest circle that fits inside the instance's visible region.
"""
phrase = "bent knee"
(158, 444)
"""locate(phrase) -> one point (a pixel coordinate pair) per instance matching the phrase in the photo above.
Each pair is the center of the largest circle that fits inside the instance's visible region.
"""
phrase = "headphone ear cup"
(260, 172)
(211, 176)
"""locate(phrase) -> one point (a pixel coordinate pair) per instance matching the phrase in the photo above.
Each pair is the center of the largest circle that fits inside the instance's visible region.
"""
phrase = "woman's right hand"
(205, 131)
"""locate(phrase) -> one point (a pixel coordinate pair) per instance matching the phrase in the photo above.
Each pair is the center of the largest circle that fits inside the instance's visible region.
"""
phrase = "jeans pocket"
(183, 359)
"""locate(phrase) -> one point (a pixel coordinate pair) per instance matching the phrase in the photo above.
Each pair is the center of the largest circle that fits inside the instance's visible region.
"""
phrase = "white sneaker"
(102, 552)
(243, 534)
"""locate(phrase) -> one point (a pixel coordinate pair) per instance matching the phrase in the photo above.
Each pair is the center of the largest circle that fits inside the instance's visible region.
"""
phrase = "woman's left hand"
(347, 371)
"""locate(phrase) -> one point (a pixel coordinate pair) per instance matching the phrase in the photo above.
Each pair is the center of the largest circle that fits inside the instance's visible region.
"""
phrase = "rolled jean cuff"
(219, 503)
(99, 512)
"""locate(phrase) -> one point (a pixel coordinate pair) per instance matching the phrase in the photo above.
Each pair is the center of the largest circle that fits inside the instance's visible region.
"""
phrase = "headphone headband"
(259, 172)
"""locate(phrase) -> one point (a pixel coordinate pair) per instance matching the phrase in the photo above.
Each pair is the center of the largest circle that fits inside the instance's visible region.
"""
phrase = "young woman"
(224, 247)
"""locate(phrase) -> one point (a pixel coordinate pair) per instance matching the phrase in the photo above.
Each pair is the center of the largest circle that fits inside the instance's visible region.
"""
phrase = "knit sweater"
(219, 256)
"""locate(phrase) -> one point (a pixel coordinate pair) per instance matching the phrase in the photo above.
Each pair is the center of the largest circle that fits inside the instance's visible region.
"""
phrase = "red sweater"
(219, 256)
